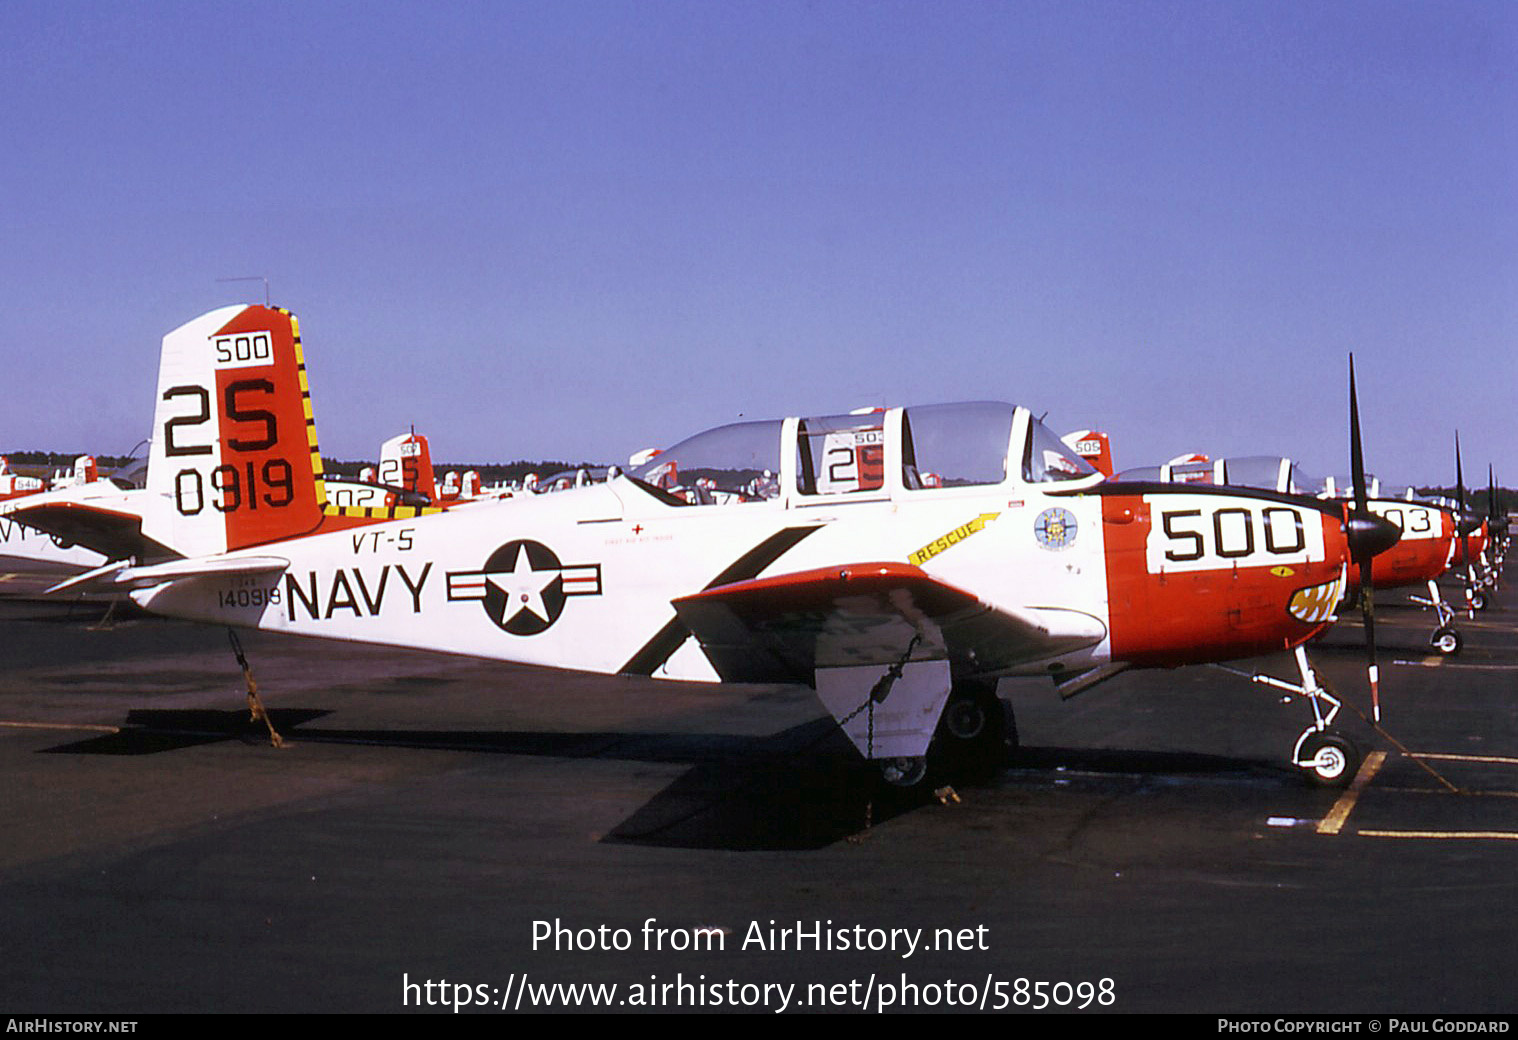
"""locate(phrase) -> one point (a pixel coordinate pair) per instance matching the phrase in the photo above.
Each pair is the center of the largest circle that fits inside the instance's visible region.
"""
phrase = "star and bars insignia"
(523, 586)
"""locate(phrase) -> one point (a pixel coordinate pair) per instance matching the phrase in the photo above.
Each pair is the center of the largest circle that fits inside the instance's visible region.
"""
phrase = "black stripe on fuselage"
(668, 639)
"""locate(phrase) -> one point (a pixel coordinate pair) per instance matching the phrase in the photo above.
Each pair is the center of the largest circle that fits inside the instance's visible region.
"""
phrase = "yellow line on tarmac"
(1493, 759)
(1441, 662)
(1498, 835)
(1334, 821)
(62, 725)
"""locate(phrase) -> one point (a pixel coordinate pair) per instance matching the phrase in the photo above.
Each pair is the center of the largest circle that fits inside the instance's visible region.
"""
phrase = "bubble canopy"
(875, 453)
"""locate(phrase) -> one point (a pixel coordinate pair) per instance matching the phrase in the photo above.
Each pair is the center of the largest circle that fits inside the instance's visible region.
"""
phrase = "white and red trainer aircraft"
(901, 603)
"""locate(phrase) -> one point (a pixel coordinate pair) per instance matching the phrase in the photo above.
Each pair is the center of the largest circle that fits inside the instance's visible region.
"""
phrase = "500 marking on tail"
(243, 349)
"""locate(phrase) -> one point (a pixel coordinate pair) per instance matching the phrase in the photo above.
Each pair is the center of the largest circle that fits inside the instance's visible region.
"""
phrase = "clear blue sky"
(577, 229)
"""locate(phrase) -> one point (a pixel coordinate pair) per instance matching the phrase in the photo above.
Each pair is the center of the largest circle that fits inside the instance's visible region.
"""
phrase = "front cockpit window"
(731, 464)
(955, 445)
(1049, 459)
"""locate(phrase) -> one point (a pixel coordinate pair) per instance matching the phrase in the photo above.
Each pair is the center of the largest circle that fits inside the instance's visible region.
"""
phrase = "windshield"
(1050, 459)
(736, 463)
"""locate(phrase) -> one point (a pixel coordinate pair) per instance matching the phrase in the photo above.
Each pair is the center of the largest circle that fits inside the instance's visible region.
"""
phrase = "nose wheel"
(1327, 759)
(1446, 640)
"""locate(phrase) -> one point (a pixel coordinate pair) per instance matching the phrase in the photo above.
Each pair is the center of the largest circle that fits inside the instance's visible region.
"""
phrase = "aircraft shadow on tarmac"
(802, 788)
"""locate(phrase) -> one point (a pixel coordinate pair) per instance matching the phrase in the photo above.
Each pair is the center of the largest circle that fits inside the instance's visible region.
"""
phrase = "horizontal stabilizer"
(121, 577)
(784, 628)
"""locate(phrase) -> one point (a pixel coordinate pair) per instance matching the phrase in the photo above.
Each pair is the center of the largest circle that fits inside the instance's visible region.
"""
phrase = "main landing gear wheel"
(965, 718)
(1476, 599)
(1328, 760)
(1446, 640)
(977, 732)
(904, 772)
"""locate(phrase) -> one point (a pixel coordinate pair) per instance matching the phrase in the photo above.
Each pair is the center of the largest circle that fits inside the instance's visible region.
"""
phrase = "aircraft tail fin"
(406, 462)
(234, 460)
(86, 470)
(1093, 446)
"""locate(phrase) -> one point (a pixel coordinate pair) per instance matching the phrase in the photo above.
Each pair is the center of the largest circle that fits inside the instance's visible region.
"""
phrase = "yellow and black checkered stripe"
(318, 474)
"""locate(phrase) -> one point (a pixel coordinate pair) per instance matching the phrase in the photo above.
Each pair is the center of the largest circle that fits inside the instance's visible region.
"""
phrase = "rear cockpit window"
(955, 445)
(840, 454)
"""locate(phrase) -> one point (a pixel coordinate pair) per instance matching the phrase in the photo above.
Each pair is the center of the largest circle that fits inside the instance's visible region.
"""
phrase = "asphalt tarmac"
(443, 830)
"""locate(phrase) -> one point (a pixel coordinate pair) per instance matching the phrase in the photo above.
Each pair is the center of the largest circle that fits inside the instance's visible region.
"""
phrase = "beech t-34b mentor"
(803, 550)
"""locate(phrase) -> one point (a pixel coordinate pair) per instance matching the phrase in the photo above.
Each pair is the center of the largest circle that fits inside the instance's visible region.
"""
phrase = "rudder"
(234, 460)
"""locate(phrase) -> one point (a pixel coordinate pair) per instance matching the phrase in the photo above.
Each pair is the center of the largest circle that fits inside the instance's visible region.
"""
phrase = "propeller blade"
(1499, 516)
(1459, 477)
(1361, 549)
(1356, 455)
(1465, 542)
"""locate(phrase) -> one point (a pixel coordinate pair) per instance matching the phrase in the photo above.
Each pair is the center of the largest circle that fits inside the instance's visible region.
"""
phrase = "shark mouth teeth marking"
(1315, 604)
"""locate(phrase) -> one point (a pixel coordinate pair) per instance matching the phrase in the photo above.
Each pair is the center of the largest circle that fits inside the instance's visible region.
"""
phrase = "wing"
(785, 628)
(113, 533)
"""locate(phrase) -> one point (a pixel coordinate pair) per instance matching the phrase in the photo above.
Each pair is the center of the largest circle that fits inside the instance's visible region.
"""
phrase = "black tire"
(1334, 760)
(904, 772)
(977, 732)
(966, 718)
(1447, 641)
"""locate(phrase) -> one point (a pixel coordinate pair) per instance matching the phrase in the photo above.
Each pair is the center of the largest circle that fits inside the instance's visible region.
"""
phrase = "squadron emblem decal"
(1055, 528)
(523, 586)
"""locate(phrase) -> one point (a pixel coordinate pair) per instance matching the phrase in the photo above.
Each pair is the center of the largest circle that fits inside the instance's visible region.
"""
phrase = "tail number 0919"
(248, 485)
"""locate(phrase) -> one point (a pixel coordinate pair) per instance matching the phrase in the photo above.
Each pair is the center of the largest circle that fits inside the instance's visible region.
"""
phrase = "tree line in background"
(44, 463)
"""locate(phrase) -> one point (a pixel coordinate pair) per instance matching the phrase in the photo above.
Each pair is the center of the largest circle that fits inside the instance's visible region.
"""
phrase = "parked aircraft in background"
(1428, 548)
